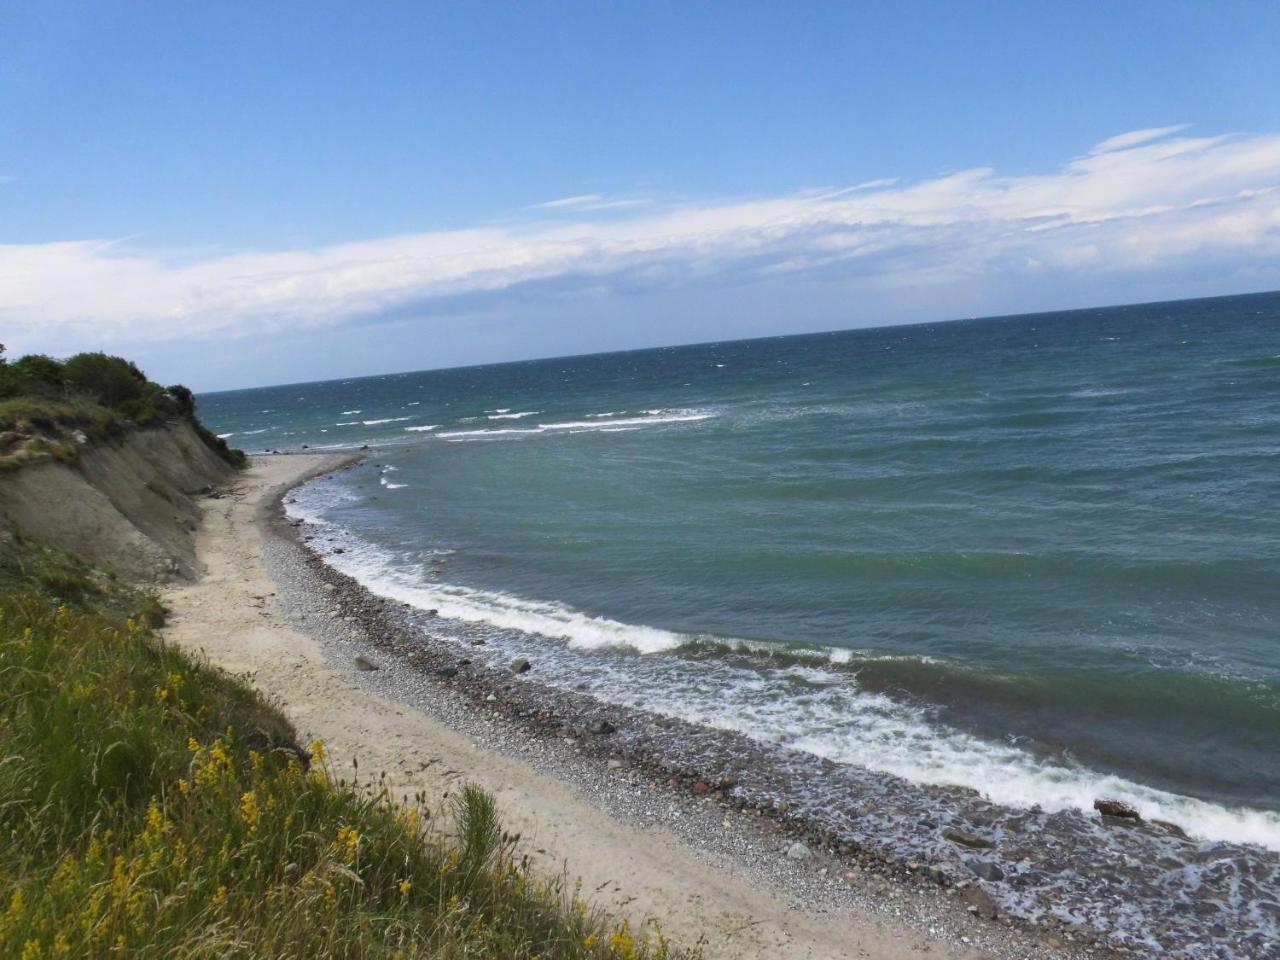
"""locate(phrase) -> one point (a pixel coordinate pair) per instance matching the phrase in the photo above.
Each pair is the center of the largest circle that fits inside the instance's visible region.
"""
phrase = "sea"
(1037, 556)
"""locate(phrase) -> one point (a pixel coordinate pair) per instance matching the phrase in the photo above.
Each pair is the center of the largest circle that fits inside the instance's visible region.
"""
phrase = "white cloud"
(1135, 137)
(590, 201)
(1140, 202)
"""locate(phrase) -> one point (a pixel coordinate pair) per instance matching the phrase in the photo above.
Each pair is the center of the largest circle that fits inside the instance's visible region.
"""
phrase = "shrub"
(112, 381)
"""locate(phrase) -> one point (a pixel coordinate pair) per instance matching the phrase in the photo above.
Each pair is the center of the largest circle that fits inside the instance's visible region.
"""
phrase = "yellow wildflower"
(249, 810)
(590, 941)
(220, 896)
(622, 942)
(406, 886)
(61, 946)
(157, 825)
(31, 950)
(348, 840)
(317, 751)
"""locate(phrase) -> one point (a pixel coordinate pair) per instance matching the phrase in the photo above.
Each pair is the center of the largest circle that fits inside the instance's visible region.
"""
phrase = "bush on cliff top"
(98, 394)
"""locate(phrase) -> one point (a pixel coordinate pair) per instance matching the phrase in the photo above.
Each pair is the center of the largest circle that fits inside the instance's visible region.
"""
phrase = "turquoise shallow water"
(1037, 552)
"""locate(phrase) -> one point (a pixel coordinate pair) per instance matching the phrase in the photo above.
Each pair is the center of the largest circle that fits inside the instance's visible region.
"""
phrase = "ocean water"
(1037, 555)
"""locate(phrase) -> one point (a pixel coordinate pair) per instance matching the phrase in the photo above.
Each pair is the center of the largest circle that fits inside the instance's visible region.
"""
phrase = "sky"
(239, 194)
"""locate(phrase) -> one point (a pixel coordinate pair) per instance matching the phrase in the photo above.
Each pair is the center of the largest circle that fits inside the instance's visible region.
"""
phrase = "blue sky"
(252, 193)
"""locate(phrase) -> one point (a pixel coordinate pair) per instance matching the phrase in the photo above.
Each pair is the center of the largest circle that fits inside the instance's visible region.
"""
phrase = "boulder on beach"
(798, 851)
(1110, 807)
(521, 665)
(365, 664)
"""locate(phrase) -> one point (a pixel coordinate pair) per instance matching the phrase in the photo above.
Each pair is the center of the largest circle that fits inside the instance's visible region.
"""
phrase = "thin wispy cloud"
(1135, 137)
(591, 201)
(1145, 201)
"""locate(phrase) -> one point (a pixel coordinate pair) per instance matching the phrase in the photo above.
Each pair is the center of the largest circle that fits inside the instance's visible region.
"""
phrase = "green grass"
(154, 806)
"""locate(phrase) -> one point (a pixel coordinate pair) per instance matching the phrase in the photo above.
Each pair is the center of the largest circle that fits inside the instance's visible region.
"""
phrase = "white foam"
(223, 436)
(374, 423)
(425, 426)
(556, 621)
(391, 486)
(346, 423)
(348, 413)
(805, 706)
(583, 426)
(513, 416)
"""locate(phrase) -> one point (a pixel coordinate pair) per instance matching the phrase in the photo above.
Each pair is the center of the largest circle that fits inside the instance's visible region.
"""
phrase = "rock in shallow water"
(986, 870)
(967, 839)
(1110, 807)
(521, 665)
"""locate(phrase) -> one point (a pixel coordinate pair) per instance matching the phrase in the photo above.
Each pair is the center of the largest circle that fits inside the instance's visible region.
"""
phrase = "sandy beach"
(232, 615)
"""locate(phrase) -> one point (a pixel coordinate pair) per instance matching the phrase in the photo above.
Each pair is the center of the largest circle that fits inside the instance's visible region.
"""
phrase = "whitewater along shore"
(756, 850)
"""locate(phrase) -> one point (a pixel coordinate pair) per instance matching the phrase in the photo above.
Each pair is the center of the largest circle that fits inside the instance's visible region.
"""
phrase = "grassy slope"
(153, 806)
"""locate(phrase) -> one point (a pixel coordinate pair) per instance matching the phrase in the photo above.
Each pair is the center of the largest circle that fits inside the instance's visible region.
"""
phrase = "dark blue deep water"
(1037, 555)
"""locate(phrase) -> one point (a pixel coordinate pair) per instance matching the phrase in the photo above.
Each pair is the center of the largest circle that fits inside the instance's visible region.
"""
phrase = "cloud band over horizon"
(1144, 202)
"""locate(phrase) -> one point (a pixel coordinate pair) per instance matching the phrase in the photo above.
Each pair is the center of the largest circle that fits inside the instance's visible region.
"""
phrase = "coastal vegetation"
(48, 407)
(153, 806)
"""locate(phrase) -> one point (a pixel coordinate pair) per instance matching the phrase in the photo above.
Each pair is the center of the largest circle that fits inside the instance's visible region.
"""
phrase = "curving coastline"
(1066, 876)
(718, 878)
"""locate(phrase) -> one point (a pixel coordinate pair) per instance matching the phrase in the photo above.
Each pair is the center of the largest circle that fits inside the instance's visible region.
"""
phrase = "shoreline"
(698, 781)
(703, 874)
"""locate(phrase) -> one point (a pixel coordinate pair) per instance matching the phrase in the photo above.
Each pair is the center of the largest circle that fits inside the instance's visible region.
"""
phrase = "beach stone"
(339, 550)
(967, 839)
(601, 728)
(979, 901)
(447, 672)
(985, 870)
(365, 664)
(1110, 807)
(798, 851)
(1170, 828)
(521, 665)
(615, 764)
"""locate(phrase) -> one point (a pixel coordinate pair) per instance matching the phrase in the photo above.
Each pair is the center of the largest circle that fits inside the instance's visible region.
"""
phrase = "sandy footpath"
(231, 615)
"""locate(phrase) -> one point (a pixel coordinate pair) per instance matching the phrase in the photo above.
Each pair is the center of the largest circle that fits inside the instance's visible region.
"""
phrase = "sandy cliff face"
(124, 506)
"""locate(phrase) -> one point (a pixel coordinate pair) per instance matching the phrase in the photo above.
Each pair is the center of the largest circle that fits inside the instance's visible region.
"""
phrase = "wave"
(348, 413)
(556, 621)
(514, 416)
(653, 418)
(425, 426)
(802, 703)
(374, 423)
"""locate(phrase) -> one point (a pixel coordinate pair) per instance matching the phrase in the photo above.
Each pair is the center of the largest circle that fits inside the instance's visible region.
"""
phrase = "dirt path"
(231, 615)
